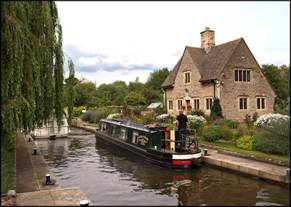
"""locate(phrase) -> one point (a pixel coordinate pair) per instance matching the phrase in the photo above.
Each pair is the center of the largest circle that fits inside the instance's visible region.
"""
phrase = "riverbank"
(31, 170)
(260, 169)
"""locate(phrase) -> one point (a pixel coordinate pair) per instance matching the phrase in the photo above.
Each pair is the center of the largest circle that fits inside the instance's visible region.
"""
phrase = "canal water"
(110, 176)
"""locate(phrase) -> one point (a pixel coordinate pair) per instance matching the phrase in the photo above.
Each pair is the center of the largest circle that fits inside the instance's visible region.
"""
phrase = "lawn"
(232, 148)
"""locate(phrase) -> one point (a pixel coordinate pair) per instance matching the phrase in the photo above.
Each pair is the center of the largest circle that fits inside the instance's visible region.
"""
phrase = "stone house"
(228, 71)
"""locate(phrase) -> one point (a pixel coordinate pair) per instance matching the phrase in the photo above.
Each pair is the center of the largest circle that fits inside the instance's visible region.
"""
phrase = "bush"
(274, 138)
(270, 118)
(92, 116)
(227, 133)
(242, 130)
(134, 99)
(255, 116)
(114, 116)
(212, 133)
(148, 118)
(245, 142)
(77, 111)
(227, 122)
(216, 111)
(198, 113)
(196, 122)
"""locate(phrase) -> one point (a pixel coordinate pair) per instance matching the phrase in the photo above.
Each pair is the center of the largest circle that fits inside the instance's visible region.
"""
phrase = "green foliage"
(156, 79)
(255, 117)
(278, 77)
(85, 92)
(227, 133)
(275, 138)
(93, 116)
(216, 111)
(226, 122)
(245, 142)
(248, 120)
(198, 113)
(71, 93)
(198, 126)
(31, 68)
(77, 111)
(134, 98)
(212, 133)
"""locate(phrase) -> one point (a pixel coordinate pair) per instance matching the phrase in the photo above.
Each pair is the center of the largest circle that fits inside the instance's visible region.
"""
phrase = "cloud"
(95, 61)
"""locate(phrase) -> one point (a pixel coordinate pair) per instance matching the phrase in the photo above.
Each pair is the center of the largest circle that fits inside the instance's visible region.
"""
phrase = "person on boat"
(182, 126)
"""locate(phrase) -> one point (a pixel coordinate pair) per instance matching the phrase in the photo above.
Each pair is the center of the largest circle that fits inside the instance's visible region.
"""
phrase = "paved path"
(260, 169)
(54, 197)
(30, 176)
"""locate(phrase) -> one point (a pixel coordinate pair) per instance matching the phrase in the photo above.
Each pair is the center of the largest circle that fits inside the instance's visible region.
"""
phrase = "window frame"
(179, 105)
(244, 103)
(206, 103)
(242, 75)
(187, 75)
(172, 104)
(261, 101)
(194, 104)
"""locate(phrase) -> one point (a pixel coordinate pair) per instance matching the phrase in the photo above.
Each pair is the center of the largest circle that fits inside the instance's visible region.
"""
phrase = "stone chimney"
(207, 39)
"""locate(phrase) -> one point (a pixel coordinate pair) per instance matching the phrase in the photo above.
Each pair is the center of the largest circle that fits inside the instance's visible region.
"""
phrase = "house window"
(208, 103)
(243, 103)
(261, 103)
(180, 104)
(196, 104)
(171, 105)
(242, 75)
(187, 77)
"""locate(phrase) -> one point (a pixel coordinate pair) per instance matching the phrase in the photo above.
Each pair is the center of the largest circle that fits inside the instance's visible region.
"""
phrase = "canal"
(110, 176)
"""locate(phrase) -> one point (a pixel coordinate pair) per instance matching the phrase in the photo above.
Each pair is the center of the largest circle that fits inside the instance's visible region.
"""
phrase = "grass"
(232, 148)
(8, 165)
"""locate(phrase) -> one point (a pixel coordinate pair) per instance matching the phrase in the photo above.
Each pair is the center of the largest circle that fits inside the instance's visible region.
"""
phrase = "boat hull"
(164, 159)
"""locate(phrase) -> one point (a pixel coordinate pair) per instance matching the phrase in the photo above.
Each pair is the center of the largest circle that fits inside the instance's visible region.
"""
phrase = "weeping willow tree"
(31, 67)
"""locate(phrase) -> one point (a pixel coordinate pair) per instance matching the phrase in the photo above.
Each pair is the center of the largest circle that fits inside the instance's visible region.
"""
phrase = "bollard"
(34, 151)
(84, 203)
(205, 152)
(47, 179)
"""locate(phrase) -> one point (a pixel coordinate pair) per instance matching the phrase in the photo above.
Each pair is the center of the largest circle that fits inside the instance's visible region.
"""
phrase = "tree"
(134, 98)
(31, 67)
(216, 111)
(278, 77)
(71, 94)
(156, 79)
(85, 92)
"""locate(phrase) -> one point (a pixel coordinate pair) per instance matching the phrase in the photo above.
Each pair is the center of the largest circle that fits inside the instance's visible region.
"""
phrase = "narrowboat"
(158, 145)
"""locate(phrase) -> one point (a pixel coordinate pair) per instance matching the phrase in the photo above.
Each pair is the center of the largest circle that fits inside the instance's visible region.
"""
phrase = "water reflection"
(110, 176)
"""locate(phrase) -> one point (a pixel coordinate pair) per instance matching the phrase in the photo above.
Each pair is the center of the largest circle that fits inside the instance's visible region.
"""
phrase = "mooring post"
(34, 151)
(84, 203)
(205, 152)
(47, 179)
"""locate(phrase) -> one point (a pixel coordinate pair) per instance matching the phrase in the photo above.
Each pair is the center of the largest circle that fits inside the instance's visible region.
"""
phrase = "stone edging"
(251, 157)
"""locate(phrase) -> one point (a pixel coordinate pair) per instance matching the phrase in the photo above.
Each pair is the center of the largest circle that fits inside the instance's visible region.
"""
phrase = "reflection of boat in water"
(158, 145)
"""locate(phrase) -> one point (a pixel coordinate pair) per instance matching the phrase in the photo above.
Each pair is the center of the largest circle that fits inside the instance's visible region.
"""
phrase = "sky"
(110, 41)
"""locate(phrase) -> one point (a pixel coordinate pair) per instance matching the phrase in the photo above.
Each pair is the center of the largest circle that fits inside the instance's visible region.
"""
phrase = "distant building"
(228, 71)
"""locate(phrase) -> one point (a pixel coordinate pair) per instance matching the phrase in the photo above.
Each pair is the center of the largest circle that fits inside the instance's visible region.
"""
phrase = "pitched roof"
(209, 64)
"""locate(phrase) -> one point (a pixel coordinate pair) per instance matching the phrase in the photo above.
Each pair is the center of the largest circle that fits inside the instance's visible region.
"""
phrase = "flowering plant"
(195, 118)
(112, 116)
(270, 118)
(164, 116)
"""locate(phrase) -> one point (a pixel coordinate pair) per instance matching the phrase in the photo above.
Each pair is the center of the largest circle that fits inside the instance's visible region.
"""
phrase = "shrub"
(148, 118)
(227, 122)
(196, 122)
(134, 98)
(248, 120)
(77, 111)
(255, 116)
(227, 133)
(92, 116)
(216, 111)
(245, 142)
(273, 138)
(242, 130)
(114, 116)
(270, 118)
(212, 133)
(198, 113)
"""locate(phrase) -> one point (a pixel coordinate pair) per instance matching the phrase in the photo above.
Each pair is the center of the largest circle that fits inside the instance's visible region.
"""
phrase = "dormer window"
(187, 77)
(242, 75)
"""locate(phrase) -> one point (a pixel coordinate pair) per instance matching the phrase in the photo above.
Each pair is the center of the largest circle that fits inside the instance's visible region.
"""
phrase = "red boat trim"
(181, 162)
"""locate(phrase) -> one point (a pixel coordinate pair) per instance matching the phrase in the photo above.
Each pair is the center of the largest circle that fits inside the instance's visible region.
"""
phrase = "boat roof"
(129, 124)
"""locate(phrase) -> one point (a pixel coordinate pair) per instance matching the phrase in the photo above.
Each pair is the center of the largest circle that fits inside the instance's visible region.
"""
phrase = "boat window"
(123, 134)
(103, 127)
(134, 137)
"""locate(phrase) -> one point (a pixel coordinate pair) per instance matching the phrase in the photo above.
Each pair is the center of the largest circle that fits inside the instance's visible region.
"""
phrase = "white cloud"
(155, 33)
